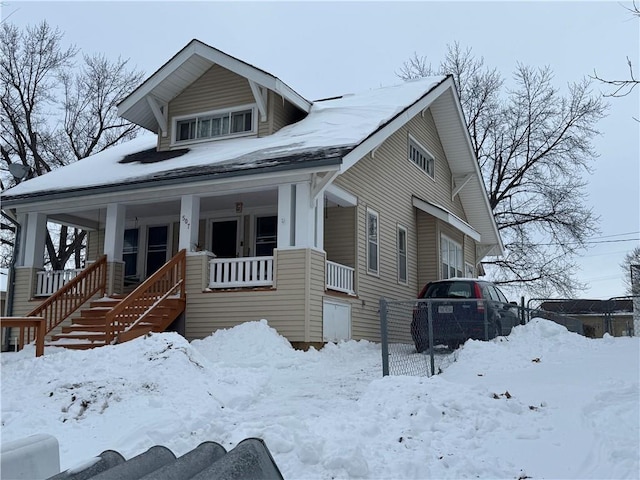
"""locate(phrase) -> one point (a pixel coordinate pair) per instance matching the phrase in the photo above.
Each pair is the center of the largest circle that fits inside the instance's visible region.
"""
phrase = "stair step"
(80, 335)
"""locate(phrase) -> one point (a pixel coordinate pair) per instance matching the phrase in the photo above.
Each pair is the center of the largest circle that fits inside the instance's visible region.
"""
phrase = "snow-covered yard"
(542, 403)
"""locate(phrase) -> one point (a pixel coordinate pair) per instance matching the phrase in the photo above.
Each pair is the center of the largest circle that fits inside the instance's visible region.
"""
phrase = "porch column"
(304, 216)
(286, 219)
(114, 232)
(189, 222)
(35, 238)
(319, 224)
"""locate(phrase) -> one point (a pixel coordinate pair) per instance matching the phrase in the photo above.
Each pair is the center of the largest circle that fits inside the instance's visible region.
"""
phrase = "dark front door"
(224, 242)
(157, 248)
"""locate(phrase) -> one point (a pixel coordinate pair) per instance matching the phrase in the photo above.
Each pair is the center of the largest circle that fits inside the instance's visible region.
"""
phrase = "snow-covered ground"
(542, 403)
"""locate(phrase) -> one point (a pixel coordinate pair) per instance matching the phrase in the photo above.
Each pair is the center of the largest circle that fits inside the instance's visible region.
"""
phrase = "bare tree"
(631, 268)
(622, 87)
(53, 114)
(534, 145)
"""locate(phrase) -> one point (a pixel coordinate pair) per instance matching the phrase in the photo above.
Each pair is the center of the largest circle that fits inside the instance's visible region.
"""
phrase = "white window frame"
(428, 161)
(375, 243)
(403, 257)
(458, 258)
(230, 111)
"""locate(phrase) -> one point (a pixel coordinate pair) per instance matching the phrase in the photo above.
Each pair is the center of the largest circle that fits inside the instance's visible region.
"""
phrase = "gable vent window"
(215, 125)
(421, 157)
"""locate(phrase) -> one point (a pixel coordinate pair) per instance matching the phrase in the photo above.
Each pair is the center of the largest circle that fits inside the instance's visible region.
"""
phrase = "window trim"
(370, 213)
(402, 228)
(458, 268)
(425, 152)
(236, 109)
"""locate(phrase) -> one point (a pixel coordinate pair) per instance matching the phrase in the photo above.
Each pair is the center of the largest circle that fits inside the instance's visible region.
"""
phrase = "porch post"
(35, 240)
(285, 218)
(304, 216)
(114, 232)
(189, 222)
(319, 224)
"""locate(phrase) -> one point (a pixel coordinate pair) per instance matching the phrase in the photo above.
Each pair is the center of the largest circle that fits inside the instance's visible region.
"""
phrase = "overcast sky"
(323, 49)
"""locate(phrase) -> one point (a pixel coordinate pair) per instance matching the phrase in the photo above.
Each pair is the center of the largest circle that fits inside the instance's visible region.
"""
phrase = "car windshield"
(449, 290)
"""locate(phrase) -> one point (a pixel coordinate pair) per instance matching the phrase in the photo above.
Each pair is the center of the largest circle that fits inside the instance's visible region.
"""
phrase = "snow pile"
(541, 403)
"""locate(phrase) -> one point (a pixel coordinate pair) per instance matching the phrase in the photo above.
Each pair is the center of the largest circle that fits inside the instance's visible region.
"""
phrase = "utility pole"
(635, 291)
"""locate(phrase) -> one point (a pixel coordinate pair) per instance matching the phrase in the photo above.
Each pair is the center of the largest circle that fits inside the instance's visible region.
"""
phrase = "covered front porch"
(240, 232)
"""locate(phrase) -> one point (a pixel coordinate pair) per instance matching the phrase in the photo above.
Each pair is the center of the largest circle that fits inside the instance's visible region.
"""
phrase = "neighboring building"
(614, 316)
(304, 213)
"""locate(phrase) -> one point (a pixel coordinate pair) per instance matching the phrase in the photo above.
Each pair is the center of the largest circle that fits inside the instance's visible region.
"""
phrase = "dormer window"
(215, 124)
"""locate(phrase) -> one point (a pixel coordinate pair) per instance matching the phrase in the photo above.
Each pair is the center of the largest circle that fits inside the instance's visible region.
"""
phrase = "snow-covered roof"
(333, 127)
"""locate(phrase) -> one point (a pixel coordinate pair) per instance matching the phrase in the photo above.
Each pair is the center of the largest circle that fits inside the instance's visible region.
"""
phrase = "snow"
(541, 403)
(340, 122)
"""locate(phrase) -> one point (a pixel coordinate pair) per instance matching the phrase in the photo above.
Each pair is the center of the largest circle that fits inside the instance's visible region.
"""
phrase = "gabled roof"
(183, 69)
(332, 129)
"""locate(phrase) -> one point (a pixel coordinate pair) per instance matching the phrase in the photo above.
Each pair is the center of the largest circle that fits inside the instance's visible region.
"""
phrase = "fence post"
(523, 319)
(384, 337)
(430, 326)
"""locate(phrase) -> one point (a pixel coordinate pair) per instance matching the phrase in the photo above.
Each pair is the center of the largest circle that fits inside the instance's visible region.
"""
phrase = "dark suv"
(461, 309)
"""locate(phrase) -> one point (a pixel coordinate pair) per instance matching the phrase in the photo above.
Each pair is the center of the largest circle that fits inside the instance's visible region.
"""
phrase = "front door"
(157, 248)
(224, 238)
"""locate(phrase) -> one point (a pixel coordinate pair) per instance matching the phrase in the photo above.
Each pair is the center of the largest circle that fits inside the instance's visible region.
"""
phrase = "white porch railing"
(340, 278)
(240, 272)
(49, 282)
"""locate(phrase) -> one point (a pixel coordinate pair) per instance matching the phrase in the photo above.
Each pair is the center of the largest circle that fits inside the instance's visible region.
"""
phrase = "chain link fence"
(420, 337)
(591, 318)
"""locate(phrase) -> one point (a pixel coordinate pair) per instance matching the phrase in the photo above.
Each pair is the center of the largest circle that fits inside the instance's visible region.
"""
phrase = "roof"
(249, 459)
(183, 69)
(586, 306)
(333, 125)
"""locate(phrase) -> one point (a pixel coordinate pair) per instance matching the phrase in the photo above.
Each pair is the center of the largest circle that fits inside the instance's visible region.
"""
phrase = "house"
(301, 212)
(613, 316)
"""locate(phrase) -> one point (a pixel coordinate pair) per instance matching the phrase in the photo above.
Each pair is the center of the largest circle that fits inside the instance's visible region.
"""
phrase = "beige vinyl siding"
(428, 257)
(284, 113)
(386, 184)
(469, 249)
(293, 307)
(339, 239)
(95, 244)
(217, 88)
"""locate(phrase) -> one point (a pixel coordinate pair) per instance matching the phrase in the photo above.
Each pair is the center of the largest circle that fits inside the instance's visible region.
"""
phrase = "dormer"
(202, 94)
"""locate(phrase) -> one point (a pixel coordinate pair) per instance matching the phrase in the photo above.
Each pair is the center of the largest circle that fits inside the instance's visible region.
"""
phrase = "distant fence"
(592, 318)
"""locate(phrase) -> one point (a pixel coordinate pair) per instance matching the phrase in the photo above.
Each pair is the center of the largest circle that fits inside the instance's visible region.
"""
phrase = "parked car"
(461, 309)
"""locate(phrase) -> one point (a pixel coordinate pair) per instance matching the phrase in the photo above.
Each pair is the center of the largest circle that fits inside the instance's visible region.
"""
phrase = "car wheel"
(495, 329)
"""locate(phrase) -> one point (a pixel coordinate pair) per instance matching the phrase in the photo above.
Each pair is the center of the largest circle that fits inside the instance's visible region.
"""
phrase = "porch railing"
(240, 272)
(59, 306)
(49, 282)
(168, 281)
(340, 278)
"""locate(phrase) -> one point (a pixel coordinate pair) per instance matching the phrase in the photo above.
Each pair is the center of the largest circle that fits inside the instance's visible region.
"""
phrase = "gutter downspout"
(6, 341)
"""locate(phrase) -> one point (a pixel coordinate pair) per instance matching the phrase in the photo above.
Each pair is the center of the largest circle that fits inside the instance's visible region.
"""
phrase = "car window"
(489, 293)
(449, 290)
(501, 295)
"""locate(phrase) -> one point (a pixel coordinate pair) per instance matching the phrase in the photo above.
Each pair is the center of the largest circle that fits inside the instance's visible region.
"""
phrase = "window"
(402, 254)
(266, 235)
(130, 253)
(421, 157)
(373, 241)
(469, 270)
(214, 125)
(451, 257)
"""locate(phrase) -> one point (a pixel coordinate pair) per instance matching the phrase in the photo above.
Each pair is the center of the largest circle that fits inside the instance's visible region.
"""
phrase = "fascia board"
(400, 120)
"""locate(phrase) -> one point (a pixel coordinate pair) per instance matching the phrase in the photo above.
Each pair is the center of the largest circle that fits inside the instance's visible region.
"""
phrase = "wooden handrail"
(59, 306)
(25, 324)
(146, 297)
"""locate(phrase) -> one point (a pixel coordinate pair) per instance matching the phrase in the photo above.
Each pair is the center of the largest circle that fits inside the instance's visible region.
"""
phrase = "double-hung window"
(421, 157)
(451, 258)
(373, 242)
(215, 124)
(402, 254)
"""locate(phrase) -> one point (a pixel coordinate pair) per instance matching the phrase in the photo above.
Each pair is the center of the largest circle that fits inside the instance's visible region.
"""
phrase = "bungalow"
(244, 200)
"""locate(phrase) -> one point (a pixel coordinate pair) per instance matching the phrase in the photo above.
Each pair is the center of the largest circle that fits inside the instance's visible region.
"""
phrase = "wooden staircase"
(152, 307)
(90, 329)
